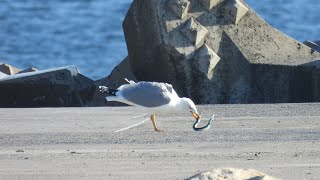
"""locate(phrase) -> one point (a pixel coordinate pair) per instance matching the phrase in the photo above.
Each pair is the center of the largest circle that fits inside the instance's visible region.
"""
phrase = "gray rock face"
(32, 69)
(179, 7)
(8, 69)
(206, 60)
(59, 87)
(209, 4)
(218, 52)
(315, 45)
(194, 32)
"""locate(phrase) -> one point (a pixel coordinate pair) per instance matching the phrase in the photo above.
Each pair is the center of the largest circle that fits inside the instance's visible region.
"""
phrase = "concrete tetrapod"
(57, 87)
(251, 62)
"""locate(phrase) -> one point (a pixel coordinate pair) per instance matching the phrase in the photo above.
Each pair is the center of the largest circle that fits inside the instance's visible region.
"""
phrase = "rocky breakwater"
(219, 51)
(57, 87)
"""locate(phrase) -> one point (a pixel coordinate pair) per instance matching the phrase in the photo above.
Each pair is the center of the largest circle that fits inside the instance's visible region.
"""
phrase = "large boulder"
(114, 80)
(315, 45)
(31, 69)
(232, 174)
(218, 51)
(58, 87)
(9, 69)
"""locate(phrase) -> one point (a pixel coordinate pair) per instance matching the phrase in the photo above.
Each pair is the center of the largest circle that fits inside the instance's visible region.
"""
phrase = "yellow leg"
(153, 120)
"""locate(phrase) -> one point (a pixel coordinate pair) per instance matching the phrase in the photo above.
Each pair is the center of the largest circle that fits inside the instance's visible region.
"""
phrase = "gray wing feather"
(129, 81)
(147, 94)
(169, 87)
(171, 90)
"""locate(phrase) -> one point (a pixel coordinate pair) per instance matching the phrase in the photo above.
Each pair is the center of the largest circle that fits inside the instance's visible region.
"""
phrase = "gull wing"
(147, 94)
(129, 81)
(171, 90)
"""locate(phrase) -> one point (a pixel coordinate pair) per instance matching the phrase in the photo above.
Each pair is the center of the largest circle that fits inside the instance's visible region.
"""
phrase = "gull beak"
(195, 115)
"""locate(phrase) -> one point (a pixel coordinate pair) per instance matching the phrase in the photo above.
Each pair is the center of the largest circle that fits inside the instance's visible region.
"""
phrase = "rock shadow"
(285, 84)
(217, 16)
(230, 77)
(235, 80)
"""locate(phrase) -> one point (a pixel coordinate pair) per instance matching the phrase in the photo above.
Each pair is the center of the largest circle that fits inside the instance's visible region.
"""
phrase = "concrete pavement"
(281, 140)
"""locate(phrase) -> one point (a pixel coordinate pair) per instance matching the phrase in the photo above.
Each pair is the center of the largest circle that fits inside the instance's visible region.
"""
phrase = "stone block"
(57, 87)
(206, 60)
(209, 4)
(258, 63)
(235, 10)
(315, 45)
(32, 69)
(194, 32)
(8, 69)
(179, 7)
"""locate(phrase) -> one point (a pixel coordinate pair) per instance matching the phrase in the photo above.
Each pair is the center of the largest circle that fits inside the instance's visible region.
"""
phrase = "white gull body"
(155, 97)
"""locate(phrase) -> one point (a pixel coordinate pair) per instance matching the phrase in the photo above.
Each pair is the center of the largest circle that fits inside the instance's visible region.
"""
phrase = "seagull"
(156, 97)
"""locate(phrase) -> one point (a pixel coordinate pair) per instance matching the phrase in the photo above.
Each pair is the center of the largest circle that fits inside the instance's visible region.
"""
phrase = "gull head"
(187, 105)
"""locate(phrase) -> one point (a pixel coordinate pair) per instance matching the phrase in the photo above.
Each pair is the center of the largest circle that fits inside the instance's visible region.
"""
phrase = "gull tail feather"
(109, 91)
(113, 98)
(113, 94)
(130, 81)
(118, 98)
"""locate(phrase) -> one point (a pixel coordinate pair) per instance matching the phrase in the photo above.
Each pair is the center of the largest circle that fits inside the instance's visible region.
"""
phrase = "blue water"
(88, 33)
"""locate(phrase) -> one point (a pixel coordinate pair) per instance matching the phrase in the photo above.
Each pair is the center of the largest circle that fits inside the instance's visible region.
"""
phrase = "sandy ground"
(119, 143)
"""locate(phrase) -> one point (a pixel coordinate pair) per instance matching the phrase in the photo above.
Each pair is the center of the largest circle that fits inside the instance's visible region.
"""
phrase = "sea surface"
(88, 33)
